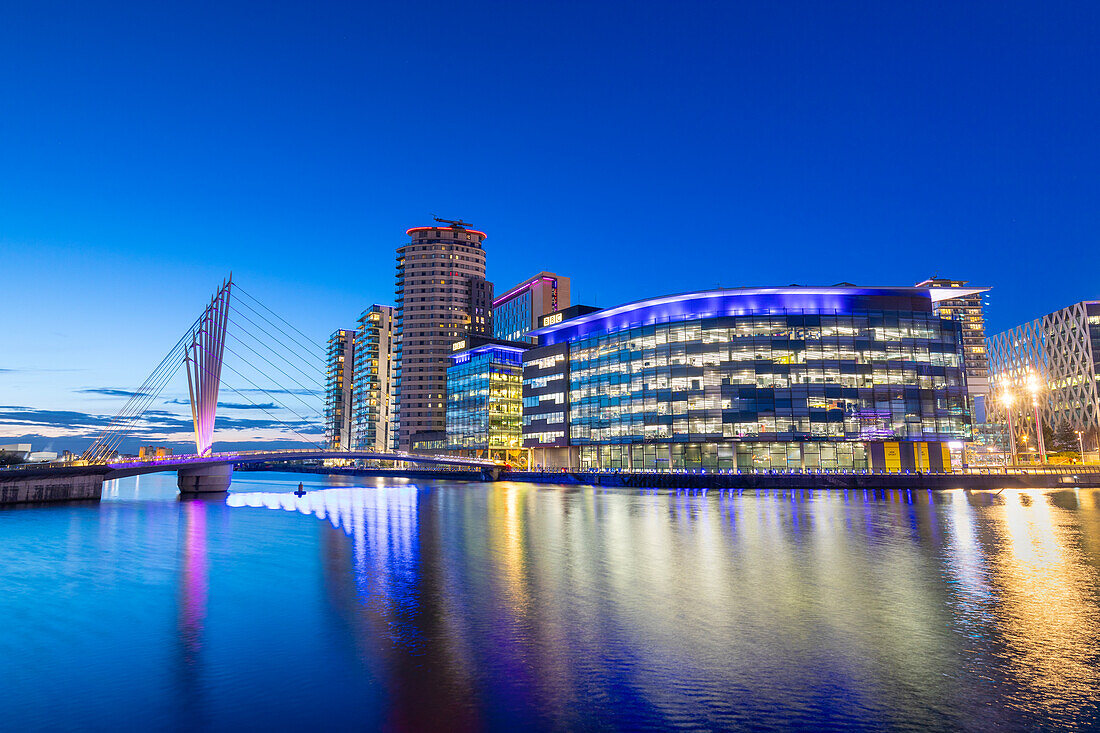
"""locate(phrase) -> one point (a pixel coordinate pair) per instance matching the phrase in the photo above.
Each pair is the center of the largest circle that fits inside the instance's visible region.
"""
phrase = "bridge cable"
(269, 348)
(114, 435)
(287, 338)
(134, 401)
(305, 390)
(273, 397)
(310, 342)
(290, 392)
(122, 431)
(261, 407)
(134, 408)
(312, 366)
(139, 394)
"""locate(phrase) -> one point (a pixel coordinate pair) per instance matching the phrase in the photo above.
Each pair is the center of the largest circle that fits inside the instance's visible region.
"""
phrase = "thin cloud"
(111, 392)
(231, 405)
(248, 405)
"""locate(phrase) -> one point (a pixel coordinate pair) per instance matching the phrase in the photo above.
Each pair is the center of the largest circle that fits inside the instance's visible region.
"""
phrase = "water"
(374, 604)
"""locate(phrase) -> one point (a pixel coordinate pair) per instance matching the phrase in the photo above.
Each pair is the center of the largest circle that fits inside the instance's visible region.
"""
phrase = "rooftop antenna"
(455, 223)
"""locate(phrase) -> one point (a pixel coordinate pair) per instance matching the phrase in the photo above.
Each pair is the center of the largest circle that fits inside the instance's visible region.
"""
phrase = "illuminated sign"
(551, 319)
(458, 345)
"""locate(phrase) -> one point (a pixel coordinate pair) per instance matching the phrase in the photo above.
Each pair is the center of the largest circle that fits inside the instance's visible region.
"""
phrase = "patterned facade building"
(1061, 353)
(339, 380)
(754, 378)
(442, 296)
(372, 392)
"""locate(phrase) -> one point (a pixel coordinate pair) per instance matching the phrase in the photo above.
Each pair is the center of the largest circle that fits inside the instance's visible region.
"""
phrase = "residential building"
(339, 365)
(517, 312)
(1059, 355)
(484, 399)
(750, 378)
(372, 388)
(442, 296)
(968, 308)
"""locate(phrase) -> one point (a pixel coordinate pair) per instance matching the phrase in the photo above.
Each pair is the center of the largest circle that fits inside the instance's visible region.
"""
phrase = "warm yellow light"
(1007, 398)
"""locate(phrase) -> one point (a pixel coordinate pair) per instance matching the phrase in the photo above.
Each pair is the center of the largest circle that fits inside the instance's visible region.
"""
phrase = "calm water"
(381, 604)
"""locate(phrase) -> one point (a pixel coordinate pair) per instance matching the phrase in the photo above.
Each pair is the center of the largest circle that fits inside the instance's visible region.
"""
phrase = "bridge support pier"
(205, 479)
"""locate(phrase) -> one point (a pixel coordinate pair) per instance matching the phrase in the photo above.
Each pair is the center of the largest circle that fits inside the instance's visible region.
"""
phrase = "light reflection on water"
(471, 606)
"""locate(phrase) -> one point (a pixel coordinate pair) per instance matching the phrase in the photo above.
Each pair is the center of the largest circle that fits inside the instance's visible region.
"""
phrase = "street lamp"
(1033, 387)
(1007, 398)
(1081, 444)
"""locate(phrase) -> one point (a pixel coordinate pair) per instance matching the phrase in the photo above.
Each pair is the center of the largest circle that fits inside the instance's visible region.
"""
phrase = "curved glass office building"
(765, 378)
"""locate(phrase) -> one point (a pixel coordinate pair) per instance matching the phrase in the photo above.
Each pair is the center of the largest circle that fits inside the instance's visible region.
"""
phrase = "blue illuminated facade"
(484, 389)
(776, 378)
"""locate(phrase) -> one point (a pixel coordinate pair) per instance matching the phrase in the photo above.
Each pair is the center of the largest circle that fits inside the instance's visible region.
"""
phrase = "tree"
(10, 459)
(1064, 439)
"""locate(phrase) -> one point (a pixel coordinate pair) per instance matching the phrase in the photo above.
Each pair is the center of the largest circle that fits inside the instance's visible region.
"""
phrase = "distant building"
(968, 308)
(517, 312)
(749, 378)
(23, 452)
(147, 452)
(442, 296)
(1062, 351)
(372, 388)
(484, 399)
(339, 366)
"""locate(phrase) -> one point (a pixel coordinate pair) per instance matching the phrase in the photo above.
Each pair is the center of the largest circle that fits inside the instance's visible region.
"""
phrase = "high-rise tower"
(372, 393)
(968, 309)
(340, 357)
(442, 297)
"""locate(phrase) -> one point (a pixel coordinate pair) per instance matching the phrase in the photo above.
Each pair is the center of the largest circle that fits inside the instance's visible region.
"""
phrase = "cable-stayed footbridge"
(271, 359)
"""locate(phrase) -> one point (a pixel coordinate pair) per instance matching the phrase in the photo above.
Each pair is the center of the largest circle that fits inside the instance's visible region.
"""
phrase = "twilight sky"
(147, 149)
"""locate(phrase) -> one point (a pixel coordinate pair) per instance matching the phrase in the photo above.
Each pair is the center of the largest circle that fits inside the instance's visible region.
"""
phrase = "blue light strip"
(724, 302)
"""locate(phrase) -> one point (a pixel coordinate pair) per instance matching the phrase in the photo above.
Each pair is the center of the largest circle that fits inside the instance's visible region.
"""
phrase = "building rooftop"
(737, 301)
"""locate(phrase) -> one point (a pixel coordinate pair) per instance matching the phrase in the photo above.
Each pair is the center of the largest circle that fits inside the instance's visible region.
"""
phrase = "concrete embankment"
(29, 489)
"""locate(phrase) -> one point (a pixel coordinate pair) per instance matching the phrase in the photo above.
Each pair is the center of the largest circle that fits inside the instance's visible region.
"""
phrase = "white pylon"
(203, 361)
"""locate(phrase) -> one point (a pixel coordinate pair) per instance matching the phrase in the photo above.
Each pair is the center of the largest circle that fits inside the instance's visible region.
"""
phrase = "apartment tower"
(339, 361)
(442, 297)
(372, 392)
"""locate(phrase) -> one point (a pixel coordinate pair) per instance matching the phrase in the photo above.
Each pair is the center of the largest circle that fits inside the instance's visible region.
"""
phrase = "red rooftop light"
(408, 232)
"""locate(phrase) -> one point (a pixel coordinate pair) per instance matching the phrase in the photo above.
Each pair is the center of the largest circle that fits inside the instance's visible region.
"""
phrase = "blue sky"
(148, 149)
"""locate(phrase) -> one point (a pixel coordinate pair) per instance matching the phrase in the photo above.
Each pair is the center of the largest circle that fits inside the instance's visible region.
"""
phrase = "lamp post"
(1007, 398)
(1081, 444)
(1033, 388)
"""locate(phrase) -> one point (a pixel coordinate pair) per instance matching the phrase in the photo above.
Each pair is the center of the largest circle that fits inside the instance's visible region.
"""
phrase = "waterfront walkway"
(1035, 477)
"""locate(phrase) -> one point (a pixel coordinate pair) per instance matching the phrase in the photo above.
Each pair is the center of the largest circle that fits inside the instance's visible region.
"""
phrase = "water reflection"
(571, 606)
(1048, 615)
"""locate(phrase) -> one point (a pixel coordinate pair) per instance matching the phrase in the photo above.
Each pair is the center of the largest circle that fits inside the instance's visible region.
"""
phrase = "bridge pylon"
(203, 361)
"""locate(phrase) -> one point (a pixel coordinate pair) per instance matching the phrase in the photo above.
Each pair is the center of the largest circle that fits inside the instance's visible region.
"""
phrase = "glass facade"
(484, 388)
(517, 312)
(512, 318)
(782, 378)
